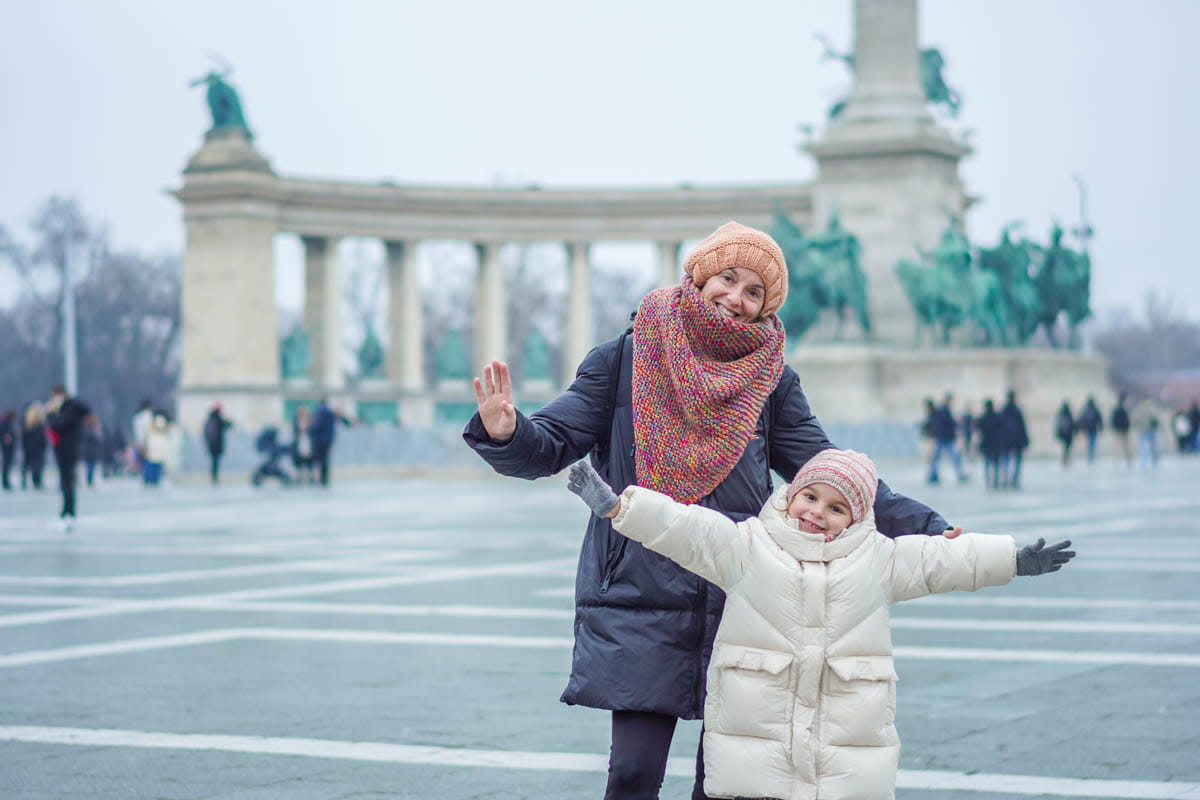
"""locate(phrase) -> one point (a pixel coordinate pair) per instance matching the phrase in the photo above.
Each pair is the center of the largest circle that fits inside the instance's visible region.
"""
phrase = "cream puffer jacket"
(801, 687)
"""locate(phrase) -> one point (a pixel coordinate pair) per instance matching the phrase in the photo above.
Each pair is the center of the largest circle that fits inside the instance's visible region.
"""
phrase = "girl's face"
(738, 293)
(820, 508)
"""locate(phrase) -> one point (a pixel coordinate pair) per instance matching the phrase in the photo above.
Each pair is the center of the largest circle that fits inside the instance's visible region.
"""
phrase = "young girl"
(801, 687)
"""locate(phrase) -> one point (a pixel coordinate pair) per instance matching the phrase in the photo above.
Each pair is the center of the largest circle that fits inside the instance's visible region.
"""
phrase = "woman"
(694, 400)
(33, 445)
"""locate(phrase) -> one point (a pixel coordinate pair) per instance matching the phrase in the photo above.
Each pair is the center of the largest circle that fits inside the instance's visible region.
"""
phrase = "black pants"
(6, 460)
(66, 481)
(32, 470)
(216, 465)
(638, 759)
(320, 457)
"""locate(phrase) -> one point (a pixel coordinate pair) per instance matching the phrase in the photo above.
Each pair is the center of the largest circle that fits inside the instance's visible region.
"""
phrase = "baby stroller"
(268, 444)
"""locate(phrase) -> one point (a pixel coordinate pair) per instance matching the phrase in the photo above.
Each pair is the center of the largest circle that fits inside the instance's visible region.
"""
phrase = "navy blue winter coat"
(644, 626)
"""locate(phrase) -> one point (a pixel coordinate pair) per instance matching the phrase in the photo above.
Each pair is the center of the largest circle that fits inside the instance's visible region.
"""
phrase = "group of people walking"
(1129, 424)
(682, 420)
(1002, 440)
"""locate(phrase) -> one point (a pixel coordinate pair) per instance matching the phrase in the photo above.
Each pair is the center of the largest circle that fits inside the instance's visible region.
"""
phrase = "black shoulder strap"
(603, 445)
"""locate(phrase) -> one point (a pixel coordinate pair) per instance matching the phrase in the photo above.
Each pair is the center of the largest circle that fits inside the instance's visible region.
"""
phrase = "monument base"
(858, 384)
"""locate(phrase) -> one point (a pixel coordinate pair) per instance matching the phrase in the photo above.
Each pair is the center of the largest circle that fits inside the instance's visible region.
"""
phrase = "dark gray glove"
(587, 483)
(1036, 559)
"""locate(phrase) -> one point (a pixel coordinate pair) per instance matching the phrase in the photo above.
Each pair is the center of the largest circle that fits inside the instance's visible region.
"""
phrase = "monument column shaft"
(228, 303)
(491, 325)
(579, 308)
(886, 52)
(668, 264)
(322, 310)
(406, 322)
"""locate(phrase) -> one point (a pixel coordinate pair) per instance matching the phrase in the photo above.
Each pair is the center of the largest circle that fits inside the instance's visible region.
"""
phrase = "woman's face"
(738, 293)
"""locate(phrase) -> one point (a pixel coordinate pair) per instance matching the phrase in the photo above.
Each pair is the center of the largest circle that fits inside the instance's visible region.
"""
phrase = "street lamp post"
(70, 356)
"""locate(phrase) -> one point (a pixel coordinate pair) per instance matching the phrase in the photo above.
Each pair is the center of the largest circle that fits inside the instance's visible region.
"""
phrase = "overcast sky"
(96, 104)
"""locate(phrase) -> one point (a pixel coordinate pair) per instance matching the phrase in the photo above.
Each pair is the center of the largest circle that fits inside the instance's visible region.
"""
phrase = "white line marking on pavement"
(376, 609)
(1037, 626)
(493, 612)
(564, 762)
(373, 562)
(1048, 656)
(52, 600)
(1135, 565)
(123, 606)
(469, 640)
(959, 599)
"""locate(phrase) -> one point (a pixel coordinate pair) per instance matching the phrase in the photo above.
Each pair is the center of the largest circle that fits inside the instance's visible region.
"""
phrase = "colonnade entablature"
(234, 206)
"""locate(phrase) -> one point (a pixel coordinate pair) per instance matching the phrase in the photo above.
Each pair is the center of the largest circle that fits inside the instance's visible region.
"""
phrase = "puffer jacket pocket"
(750, 692)
(859, 699)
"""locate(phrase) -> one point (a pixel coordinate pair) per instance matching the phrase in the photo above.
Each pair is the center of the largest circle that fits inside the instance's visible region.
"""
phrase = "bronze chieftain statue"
(223, 103)
(823, 272)
(1006, 292)
(937, 92)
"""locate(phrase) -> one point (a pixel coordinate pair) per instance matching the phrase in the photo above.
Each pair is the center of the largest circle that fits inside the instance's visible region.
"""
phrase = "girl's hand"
(493, 395)
(952, 533)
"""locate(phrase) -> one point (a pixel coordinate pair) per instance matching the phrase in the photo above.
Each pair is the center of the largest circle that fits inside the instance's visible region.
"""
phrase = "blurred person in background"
(1016, 439)
(92, 448)
(214, 439)
(1120, 425)
(302, 448)
(1145, 422)
(322, 432)
(1064, 431)
(139, 427)
(157, 450)
(966, 427)
(1090, 423)
(991, 443)
(944, 431)
(8, 445)
(66, 416)
(34, 441)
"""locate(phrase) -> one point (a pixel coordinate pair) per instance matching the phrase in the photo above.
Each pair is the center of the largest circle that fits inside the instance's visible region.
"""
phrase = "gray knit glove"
(587, 483)
(1036, 559)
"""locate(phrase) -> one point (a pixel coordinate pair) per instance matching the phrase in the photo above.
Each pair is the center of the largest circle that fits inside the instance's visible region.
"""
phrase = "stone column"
(322, 311)
(887, 74)
(229, 341)
(406, 357)
(580, 337)
(491, 324)
(669, 270)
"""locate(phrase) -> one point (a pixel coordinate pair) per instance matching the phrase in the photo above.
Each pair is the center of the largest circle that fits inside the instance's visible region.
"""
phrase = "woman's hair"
(35, 415)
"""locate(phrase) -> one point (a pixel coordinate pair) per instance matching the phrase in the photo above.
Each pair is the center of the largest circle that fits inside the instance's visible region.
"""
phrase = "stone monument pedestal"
(868, 383)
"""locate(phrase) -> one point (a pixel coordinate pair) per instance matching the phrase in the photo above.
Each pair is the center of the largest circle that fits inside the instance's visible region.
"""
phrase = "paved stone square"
(408, 638)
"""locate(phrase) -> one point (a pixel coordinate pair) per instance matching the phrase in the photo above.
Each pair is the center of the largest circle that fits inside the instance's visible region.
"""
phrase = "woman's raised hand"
(494, 396)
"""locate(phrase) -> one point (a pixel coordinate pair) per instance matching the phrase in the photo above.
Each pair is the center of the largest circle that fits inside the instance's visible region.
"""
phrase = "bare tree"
(128, 317)
(1162, 340)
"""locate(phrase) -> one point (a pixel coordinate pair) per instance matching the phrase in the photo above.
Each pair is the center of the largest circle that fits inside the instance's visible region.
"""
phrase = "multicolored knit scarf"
(700, 381)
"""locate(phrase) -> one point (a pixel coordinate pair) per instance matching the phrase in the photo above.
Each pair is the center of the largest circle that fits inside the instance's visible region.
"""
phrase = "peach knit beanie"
(735, 245)
(851, 473)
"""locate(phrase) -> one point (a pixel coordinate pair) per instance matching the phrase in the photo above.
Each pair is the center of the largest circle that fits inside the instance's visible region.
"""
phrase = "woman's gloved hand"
(1037, 559)
(584, 481)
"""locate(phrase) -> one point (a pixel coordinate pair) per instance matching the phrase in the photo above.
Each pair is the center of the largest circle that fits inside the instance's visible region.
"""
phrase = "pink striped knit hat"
(851, 473)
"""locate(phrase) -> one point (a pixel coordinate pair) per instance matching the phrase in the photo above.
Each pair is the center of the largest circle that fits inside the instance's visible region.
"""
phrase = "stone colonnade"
(405, 367)
(234, 205)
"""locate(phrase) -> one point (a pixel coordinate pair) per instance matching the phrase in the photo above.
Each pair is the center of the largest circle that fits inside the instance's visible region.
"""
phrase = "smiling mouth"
(810, 527)
(726, 311)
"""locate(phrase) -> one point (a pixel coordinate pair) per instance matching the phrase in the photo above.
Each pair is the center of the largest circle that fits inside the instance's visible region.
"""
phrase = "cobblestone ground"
(410, 638)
